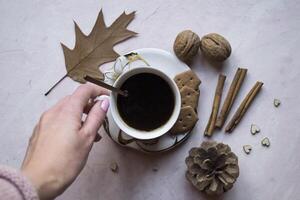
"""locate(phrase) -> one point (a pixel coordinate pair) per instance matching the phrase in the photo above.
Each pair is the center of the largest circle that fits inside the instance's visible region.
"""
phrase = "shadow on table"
(191, 191)
(140, 175)
(207, 64)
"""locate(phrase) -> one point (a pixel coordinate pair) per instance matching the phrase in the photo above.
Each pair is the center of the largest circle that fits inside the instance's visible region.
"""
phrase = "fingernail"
(104, 105)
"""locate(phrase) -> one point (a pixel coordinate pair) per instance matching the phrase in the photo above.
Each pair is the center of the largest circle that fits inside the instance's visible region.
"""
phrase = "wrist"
(46, 184)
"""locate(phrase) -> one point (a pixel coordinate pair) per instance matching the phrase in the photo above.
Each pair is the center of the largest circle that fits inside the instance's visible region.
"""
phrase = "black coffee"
(150, 102)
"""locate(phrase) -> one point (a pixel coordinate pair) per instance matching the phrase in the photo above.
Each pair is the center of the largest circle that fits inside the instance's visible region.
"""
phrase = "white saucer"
(165, 62)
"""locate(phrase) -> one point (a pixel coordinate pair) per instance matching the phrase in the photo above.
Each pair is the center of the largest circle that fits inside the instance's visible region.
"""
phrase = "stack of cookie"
(188, 84)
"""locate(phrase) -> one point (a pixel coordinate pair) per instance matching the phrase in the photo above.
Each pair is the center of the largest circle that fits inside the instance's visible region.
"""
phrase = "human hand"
(59, 146)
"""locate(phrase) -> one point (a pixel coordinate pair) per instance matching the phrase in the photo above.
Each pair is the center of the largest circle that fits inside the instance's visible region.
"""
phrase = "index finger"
(85, 92)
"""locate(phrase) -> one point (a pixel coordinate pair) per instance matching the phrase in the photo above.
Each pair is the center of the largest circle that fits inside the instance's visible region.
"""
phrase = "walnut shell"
(215, 47)
(186, 45)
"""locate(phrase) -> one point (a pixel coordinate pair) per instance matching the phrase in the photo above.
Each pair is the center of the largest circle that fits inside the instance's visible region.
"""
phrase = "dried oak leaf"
(96, 48)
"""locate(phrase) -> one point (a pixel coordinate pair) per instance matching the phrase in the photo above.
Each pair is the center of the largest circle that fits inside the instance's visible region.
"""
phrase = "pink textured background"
(265, 38)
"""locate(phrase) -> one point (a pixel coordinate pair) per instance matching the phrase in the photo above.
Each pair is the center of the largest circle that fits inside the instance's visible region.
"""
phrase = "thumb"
(95, 118)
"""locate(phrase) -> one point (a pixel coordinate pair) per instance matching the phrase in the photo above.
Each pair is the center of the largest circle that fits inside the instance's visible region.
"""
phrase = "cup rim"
(139, 134)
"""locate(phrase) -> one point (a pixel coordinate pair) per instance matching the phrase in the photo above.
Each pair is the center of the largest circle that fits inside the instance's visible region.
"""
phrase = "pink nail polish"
(104, 105)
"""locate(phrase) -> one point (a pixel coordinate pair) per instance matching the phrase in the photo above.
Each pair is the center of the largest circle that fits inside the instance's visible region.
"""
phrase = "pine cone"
(212, 168)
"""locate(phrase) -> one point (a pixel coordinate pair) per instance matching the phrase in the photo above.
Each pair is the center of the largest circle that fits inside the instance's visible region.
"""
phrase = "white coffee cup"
(139, 134)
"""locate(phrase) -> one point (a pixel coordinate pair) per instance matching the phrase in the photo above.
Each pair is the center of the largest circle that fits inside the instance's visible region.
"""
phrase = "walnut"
(186, 45)
(215, 47)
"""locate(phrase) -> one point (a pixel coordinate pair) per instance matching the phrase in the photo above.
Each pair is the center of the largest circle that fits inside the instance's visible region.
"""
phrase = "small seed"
(114, 167)
(277, 102)
(247, 148)
(254, 129)
(265, 142)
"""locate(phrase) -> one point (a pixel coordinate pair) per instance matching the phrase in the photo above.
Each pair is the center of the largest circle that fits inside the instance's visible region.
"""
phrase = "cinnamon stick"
(238, 115)
(216, 104)
(231, 95)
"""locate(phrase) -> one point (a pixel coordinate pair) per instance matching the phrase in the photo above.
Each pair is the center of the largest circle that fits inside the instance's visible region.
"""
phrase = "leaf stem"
(55, 84)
